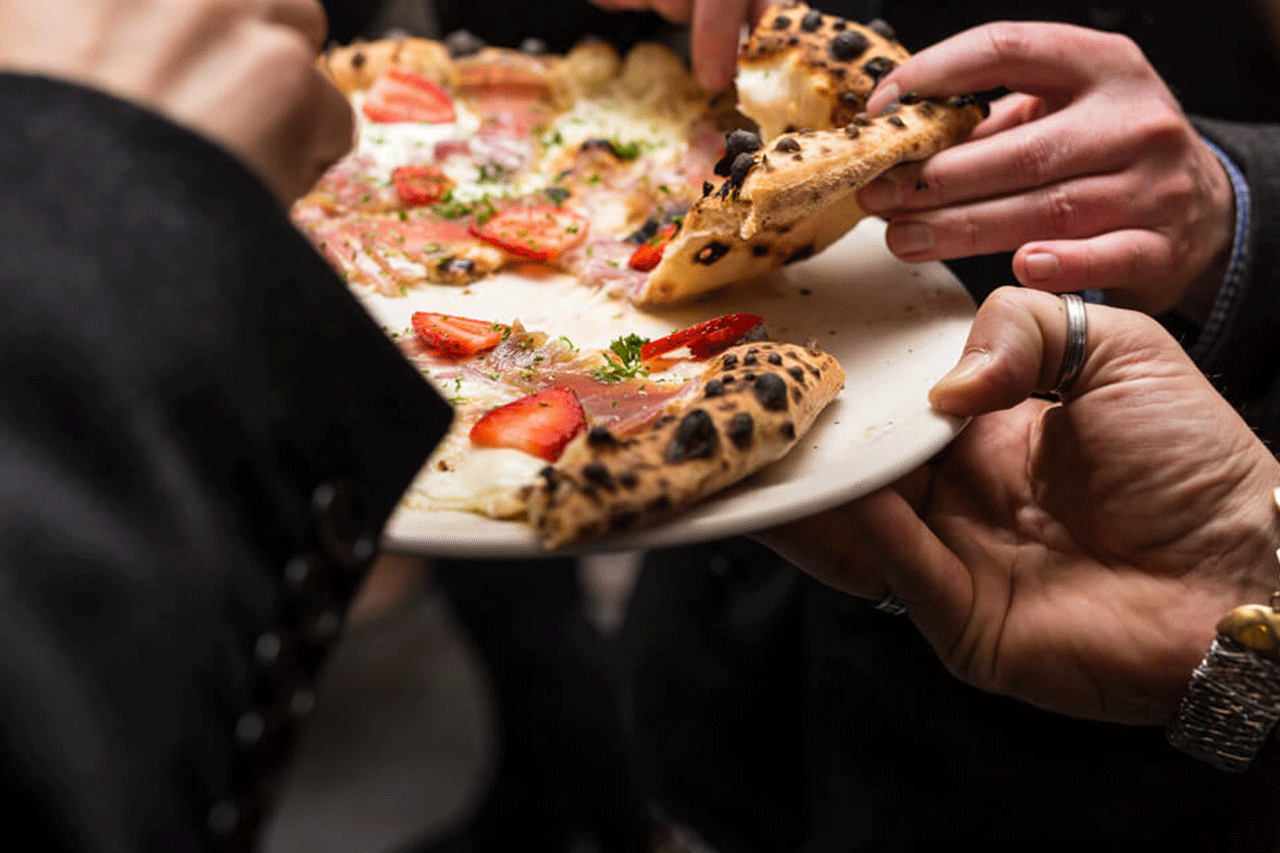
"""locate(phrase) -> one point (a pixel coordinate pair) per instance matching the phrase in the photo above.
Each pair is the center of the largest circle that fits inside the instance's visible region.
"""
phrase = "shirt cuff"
(1230, 288)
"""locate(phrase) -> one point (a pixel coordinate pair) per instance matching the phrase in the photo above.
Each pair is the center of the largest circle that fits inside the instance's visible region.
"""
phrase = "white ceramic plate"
(896, 328)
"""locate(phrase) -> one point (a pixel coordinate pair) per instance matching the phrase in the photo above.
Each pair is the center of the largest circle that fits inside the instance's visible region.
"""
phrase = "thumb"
(1015, 347)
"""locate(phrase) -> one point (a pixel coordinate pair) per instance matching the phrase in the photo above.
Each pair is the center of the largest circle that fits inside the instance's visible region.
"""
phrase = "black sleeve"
(1243, 359)
(201, 436)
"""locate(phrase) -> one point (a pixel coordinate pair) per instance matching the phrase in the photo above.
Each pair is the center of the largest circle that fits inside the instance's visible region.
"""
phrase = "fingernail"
(887, 95)
(1042, 265)
(948, 392)
(880, 195)
(910, 238)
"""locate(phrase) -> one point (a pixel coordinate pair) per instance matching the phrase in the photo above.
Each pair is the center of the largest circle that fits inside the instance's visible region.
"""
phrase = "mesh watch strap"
(1231, 707)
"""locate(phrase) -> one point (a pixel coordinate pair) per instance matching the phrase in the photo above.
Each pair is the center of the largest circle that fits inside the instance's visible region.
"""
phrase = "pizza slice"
(789, 190)
(584, 444)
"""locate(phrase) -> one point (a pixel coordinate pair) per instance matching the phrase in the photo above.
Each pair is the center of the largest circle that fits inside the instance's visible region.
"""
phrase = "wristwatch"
(1233, 702)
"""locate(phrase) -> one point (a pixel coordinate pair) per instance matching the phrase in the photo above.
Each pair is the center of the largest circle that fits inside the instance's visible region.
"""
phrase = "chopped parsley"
(625, 362)
(626, 150)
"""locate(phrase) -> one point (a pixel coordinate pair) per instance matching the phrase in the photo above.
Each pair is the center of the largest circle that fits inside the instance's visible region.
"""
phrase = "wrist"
(1232, 704)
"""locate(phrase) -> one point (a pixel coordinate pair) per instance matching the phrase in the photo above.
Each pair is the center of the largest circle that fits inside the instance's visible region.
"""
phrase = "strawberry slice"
(540, 424)
(704, 339)
(399, 95)
(420, 184)
(456, 337)
(649, 253)
(539, 233)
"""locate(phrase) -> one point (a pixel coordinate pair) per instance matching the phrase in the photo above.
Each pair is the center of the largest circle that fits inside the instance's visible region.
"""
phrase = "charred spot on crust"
(714, 388)
(749, 376)
(736, 143)
(595, 472)
(740, 429)
(729, 379)
(742, 166)
(801, 252)
(852, 131)
(628, 480)
(749, 360)
(962, 101)
(599, 436)
(548, 475)
(712, 252)
(839, 25)
(460, 43)
(771, 390)
(882, 29)
(730, 361)
(797, 373)
(759, 249)
(897, 121)
(850, 100)
(811, 21)
(848, 45)
(774, 358)
(694, 438)
(455, 266)
(926, 108)
(878, 66)
(788, 430)
(862, 120)
(357, 60)
(781, 22)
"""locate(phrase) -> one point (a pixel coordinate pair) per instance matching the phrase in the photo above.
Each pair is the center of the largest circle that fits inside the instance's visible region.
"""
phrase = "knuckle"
(1008, 41)
(1032, 160)
(1060, 211)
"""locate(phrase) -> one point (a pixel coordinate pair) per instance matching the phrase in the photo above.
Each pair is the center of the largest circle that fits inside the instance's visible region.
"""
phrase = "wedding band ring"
(891, 604)
(1077, 340)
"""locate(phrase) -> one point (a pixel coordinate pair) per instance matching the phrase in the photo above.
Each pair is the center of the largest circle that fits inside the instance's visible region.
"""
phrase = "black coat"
(201, 435)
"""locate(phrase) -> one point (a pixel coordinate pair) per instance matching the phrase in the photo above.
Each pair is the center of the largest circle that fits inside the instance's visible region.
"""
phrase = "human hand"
(715, 29)
(1089, 170)
(241, 72)
(1076, 556)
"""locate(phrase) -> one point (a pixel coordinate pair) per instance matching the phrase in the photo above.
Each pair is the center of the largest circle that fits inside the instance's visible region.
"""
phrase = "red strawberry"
(649, 253)
(398, 94)
(456, 337)
(538, 233)
(704, 339)
(540, 424)
(420, 184)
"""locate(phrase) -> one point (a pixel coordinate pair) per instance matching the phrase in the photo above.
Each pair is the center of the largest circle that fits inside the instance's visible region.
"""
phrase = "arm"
(202, 433)
(1238, 350)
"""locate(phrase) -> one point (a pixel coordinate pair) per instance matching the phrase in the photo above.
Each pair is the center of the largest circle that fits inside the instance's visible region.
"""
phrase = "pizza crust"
(802, 69)
(354, 67)
(797, 196)
(754, 403)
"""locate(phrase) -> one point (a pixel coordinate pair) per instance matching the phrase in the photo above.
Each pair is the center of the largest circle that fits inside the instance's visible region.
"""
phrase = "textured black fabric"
(179, 371)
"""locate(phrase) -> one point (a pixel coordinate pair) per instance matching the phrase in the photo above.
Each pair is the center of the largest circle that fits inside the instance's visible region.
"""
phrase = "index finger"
(713, 39)
(1032, 57)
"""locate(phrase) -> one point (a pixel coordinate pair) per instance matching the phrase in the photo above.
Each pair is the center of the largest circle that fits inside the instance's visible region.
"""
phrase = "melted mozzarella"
(777, 96)
(486, 480)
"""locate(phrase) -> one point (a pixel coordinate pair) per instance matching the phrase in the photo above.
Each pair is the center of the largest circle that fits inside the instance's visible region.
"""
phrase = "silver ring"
(891, 604)
(1077, 340)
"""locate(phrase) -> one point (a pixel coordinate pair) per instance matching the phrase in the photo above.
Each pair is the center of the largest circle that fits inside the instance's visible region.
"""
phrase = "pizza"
(584, 443)
(473, 163)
